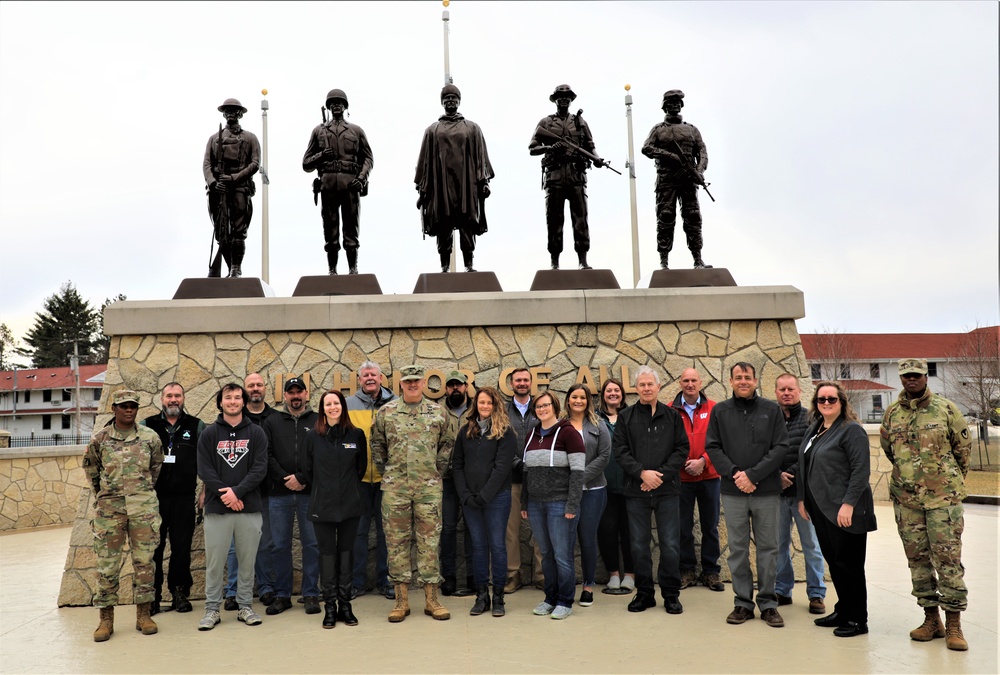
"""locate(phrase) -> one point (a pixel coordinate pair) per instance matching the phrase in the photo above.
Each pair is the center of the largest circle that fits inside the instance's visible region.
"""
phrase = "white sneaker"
(615, 582)
(248, 616)
(210, 620)
(561, 612)
(628, 583)
(544, 609)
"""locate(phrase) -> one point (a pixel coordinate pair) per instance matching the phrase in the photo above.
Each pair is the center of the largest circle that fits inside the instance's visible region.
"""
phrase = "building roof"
(859, 385)
(53, 378)
(888, 346)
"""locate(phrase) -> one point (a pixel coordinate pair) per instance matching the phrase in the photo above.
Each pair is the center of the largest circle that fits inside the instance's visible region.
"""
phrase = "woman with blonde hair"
(481, 467)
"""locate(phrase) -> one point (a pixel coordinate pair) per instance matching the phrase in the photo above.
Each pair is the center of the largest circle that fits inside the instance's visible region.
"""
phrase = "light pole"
(445, 18)
(631, 189)
(265, 260)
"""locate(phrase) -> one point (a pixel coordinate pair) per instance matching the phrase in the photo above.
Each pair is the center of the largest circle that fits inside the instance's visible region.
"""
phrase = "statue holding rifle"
(568, 148)
(232, 157)
(681, 160)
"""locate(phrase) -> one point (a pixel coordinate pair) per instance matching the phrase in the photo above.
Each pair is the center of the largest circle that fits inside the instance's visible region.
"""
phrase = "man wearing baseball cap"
(122, 464)
(926, 438)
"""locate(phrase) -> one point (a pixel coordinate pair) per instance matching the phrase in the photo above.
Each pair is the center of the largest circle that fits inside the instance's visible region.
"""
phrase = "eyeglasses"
(543, 406)
(828, 400)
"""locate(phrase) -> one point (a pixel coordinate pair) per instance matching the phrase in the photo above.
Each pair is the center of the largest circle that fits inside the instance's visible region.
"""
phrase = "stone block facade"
(40, 486)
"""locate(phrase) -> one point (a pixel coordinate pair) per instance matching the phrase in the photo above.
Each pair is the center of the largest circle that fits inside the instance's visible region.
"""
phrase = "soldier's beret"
(411, 373)
(918, 366)
(124, 396)
(295, 382)
(457, 376)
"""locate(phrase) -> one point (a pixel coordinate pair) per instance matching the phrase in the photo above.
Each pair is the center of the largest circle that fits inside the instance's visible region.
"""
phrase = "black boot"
(445, 262)
(179, 602)
(237, 251)
(663, 261)
(555, 260)
(699, 264)
(583, 261)
(498, 608)
(352, 260)
(449, 586)
(330, 614)
(467, 259)
(331, 260)
(482, 600)
(344, 612)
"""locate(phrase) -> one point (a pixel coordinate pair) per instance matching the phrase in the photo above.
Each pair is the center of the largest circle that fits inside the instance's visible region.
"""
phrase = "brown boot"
(931, 627)
(402, 608)
(107, 625)
(142, 620)
(953, 632)
(433, 608)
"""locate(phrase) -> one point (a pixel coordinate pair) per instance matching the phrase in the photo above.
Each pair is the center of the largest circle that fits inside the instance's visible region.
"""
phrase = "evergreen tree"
(103, 341)
(66, 318)
(7, 343)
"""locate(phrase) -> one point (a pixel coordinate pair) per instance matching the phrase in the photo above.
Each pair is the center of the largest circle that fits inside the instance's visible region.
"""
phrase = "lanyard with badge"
(170, 457)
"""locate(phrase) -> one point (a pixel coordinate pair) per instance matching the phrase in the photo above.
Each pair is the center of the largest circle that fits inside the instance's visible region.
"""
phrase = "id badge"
(170, 459)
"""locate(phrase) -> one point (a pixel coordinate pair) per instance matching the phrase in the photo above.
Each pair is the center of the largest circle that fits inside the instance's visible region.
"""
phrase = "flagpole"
(265, 255)
(631, 189)
(445, 18)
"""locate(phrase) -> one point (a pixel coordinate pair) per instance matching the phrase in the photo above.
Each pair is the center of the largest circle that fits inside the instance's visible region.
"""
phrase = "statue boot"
(107, 625)
(215, 268)
(663, 261)
(432, 607)
(555, 261)
(143, 622)
(582, 255)
(352, 260)
(699, 264)
(331, 259)
(467, 259)
(238, 250)
(445, 262)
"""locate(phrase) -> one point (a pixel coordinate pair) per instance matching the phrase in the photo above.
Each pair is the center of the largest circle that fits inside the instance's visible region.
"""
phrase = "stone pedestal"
(337, 284)
(691, 278)
(200, 288)
(573, 280)
(458, 282)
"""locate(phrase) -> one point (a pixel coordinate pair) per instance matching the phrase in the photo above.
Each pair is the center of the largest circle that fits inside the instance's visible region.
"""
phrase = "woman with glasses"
(597, 442)
(554, 460)
(834, 494)
(481, 467)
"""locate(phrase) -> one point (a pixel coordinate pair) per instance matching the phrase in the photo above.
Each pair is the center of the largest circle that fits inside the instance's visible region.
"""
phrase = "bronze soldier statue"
(232, 157)
(564, 172)
(681, 160)
(453, 175)
(339, 152)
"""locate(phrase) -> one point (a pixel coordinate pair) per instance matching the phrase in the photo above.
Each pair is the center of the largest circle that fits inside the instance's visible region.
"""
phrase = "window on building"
(46, 421)
(27, 396)
(845, 371)
(46, 395)
(931, 369)
(874, 371)
(66, 421)
(877, 402)
(816, 371)
(66, 396)
(97, 394)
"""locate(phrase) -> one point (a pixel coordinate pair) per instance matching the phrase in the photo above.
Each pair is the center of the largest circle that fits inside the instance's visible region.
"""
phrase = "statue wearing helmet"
(339, 153)
(232, 157)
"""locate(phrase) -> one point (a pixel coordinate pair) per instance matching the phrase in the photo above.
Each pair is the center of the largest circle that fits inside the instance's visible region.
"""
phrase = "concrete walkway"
(37, 637)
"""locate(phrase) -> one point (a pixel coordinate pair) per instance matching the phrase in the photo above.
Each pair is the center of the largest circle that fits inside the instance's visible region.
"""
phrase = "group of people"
(600, 473)
(452, 179)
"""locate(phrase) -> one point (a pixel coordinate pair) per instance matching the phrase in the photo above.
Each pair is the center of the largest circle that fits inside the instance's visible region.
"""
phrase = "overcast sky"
(853, 146)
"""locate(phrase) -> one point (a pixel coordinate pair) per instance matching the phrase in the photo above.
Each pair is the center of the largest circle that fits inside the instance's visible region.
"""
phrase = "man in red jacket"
(699, 483)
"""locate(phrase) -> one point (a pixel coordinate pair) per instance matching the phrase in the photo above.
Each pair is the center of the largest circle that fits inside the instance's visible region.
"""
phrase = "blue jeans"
(450, 510)
(591, 509)
(263, 567)
(706, 494)
(785, 582)
(371, 510)
(668, 531)
(487, 529)
(555, 535)
(284, 510)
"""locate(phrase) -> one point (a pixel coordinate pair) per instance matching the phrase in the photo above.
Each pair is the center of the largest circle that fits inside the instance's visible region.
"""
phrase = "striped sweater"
(553, 466)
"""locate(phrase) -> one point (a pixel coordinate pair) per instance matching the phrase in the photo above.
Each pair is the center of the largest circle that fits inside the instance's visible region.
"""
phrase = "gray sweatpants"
(761, 514)
(220, 531)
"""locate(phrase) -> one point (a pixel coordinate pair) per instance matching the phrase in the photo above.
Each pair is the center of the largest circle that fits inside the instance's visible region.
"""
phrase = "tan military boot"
(953, 632)
(107, 625)
(433, 608)
(402, 608)
(931, 627)
(142, 620)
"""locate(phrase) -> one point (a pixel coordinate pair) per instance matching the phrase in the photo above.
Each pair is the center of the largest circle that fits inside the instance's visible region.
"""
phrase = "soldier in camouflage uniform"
(676, 178)
(926, 439)
(411, 442)
(122, 463)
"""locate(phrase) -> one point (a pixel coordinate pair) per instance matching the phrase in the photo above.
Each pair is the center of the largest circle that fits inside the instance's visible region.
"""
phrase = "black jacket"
(180, 476)
(835, 471)
(481, 465)
(334, 466)
(748, 435)
(650, 438)
(796, 424)
(286, 436)
(234, 457)
(522, 425)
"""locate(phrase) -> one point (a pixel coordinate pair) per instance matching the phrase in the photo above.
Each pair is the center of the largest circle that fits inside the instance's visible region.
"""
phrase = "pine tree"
(66, 318)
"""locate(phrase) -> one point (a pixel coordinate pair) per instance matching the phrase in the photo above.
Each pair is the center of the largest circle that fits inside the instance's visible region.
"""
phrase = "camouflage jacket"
(928, 443)
(119, 464)
(412, 445)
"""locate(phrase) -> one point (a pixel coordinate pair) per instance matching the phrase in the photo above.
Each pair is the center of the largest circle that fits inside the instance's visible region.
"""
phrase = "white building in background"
(41, 403)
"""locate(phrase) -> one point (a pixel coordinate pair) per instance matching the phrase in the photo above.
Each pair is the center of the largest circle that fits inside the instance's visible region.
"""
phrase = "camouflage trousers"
(408, 519)
(137, 517)
(932, 541)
